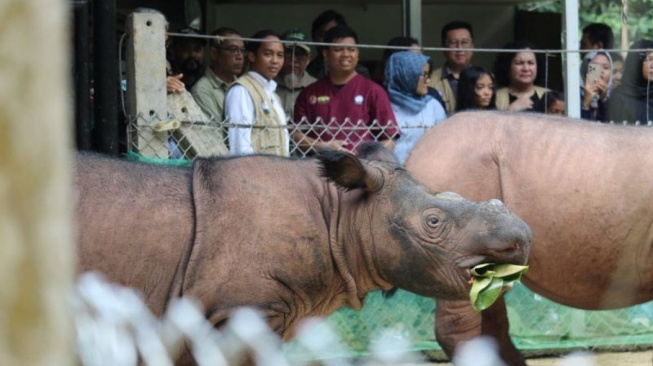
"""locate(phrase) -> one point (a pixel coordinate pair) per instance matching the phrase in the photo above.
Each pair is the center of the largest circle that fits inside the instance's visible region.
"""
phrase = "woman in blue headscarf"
(406, 79)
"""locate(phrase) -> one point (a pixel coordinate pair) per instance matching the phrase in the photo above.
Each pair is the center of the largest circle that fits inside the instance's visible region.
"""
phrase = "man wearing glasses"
(227, 60)
(459, 36)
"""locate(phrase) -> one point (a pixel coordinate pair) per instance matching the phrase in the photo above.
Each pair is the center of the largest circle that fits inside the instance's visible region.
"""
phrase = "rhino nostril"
(512, 246)
(509, 248)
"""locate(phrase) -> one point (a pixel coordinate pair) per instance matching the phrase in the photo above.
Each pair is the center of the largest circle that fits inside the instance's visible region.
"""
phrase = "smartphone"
(593, 73)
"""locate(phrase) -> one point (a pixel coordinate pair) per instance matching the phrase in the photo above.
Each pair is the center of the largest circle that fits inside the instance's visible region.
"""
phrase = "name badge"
(266, 108)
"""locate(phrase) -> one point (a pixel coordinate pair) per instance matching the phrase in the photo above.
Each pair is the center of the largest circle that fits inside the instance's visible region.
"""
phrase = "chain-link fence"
(114, 326)
(186, 132)
(176, 137)
(171, 138)
(537, 326)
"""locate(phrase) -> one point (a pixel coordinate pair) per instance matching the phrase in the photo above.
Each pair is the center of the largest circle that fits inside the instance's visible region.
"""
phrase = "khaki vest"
(265, 140)
(443, 86)
(503, 100)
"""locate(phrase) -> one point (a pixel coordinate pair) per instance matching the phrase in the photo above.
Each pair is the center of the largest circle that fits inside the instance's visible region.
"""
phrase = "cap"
(296, 34)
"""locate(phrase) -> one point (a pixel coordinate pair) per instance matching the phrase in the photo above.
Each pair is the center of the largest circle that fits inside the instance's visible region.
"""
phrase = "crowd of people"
(271, 82)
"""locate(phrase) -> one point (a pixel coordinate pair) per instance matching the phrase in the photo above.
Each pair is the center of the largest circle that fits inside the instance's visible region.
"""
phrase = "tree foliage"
(609, 12)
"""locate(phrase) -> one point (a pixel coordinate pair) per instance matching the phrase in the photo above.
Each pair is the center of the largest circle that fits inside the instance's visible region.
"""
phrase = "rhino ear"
(373, 150)
(349, 172)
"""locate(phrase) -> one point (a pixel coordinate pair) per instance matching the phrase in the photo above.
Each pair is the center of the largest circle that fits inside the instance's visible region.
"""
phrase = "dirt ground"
(606, 359)
(643, 358)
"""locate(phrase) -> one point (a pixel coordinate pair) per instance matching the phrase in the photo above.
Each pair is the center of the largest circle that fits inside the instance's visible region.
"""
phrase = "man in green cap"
(293, 77)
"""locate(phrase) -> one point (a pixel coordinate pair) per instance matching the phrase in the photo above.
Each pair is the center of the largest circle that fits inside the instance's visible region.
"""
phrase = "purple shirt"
(356, 112)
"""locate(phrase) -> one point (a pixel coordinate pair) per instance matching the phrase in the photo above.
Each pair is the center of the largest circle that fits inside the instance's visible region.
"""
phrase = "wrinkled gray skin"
(585, 190)
(294, 238)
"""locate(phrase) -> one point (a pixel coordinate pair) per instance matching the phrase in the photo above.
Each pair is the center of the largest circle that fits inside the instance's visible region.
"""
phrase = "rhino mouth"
(467, 263)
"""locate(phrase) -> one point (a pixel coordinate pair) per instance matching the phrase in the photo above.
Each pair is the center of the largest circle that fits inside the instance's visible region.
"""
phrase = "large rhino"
(585, 190)
(294, 238)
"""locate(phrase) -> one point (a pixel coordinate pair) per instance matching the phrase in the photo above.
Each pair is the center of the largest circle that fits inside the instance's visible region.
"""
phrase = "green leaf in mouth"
(487, 281)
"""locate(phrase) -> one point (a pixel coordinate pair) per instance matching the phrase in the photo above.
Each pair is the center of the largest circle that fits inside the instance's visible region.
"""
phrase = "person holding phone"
(596, 72)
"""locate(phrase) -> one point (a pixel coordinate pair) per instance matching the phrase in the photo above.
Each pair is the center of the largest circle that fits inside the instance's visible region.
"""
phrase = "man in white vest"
(257, 122)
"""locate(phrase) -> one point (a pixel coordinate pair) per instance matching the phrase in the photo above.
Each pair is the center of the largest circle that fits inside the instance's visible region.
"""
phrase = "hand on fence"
(174, 84)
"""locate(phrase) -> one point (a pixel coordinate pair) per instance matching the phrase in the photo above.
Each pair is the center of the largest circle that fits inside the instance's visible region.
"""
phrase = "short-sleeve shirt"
(356, 112)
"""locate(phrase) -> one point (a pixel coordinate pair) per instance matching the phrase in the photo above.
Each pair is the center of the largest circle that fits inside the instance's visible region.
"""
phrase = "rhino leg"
(455, 322)
(495, 324)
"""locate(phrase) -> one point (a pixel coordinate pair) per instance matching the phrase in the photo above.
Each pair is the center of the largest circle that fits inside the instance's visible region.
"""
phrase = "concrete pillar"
(36, 251)
(146, 82)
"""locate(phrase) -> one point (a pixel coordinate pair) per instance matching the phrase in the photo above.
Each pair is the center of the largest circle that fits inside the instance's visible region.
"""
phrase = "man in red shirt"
(343, 109)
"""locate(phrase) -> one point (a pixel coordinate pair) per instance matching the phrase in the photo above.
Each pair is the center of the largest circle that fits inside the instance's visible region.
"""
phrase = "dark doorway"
(545, 31)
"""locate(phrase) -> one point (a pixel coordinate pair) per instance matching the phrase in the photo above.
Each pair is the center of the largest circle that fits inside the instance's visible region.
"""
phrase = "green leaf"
(478, 286)
(489, 279)
(483, 270)
(505, 270)
(488, 295)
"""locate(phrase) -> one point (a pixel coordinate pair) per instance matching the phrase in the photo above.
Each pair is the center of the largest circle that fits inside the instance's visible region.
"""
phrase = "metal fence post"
(146, 81)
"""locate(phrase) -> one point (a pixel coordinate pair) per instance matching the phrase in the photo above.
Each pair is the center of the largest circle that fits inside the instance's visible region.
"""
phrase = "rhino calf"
(294, 238)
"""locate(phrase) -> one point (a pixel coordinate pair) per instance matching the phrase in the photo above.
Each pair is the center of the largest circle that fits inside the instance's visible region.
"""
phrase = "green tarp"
(537, 325)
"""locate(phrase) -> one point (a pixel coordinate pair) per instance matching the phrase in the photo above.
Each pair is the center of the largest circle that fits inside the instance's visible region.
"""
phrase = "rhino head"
(417, 239)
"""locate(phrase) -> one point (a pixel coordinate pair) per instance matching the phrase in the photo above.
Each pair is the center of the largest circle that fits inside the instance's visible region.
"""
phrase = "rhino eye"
(432, 221)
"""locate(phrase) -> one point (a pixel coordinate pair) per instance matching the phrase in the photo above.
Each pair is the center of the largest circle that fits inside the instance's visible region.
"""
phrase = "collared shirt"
(288, 95)
(209, 93)
(240, 109)
(453, 81)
